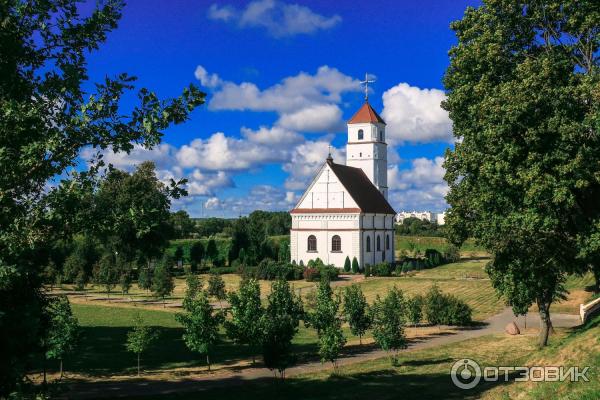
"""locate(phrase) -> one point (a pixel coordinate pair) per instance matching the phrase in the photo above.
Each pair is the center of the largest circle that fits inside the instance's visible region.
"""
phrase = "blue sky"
(282, 79)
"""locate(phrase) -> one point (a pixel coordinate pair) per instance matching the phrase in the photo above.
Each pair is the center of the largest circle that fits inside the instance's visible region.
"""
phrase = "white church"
(345, 212)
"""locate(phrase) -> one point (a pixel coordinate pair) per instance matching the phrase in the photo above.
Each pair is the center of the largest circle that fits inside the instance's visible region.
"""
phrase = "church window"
(368, 243)
(381, 136)
(312, 243)
(336, 243)
(360, 154)
(378, 243)
(361, 134)
(387, 242)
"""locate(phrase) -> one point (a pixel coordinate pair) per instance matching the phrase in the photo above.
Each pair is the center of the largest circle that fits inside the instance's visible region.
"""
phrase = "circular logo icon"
(465, 373)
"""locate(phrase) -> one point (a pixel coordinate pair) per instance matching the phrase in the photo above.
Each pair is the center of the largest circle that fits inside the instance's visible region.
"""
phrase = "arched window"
(368, 243)
(312, 243)
(336, 243)
(378, 243)
(387, 242)
(361, 134)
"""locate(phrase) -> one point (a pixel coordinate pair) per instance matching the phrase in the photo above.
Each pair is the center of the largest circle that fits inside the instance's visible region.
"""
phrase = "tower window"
(368, 243)
(381, 136)
(361, 134)
(336, 244)
(312, 243)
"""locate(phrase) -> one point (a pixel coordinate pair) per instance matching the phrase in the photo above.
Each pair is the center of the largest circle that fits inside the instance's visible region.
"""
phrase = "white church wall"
(327, 192)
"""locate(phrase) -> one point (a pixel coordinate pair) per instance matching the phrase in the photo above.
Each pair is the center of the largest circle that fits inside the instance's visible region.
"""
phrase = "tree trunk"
(44, 368)
(138, 359)
(61, 369)
(360, 339)
(208, 361)
(545, 323)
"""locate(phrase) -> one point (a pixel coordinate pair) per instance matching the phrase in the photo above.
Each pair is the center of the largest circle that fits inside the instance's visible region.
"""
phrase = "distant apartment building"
(437, 218)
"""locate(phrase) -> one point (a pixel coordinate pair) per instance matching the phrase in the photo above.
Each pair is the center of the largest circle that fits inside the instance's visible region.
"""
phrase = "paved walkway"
(143, 387)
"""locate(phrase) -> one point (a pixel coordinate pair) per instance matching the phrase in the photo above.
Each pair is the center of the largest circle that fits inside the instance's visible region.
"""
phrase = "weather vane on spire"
(366, 83)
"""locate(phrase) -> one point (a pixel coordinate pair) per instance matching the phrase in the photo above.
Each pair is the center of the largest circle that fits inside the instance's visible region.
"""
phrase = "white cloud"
(318, 118)
(274, 136)
(206, 79)
(204, 184)
(277, 18)
(161, 155)
(421, 187)
(414, 115)
(213, 203)
(306, 158)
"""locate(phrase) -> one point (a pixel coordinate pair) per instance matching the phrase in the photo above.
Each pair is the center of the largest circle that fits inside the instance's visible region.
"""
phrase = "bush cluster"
(271, 270)
(445, 309)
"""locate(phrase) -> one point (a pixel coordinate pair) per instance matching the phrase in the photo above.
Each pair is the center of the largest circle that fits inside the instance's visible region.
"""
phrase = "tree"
(414, 309)
(216, 287)
(108, 274)
(246, 311)
(162, 281)
(523, 177)
(279, 326)
(196, 254)
(144, 278)
(64, 331)
(140, 338)
(211, 250)
(193, 287)
(347, 265)
(47, 119)
(181, 225)
(201, 325)
(178, 254)
(283, 254)
(388, 322)
(356, 311)
(355, 266)
(326, 320)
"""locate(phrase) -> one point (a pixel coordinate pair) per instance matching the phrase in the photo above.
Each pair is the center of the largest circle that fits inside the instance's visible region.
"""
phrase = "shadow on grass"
(380, 384)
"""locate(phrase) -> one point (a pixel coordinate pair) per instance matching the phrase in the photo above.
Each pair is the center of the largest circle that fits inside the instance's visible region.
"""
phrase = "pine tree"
(355, 267)
(347, 265)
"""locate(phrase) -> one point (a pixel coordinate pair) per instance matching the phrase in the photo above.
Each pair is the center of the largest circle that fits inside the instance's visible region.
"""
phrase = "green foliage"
(347, 264)
(63, 332)
(193, 286)
(326, 308)
(356, 311)
(108, 273)
(162, 280)
(201, 325)
(211, 250)
(524, 178)
(382, 269)
(414, 309)
(144, 277)
(246, 313)
(270, 270)
(125, 279)
(182, 225)
(216, 287)
(196, 255)
(355, 266)
(140, 338)
(418, 227)
(279, 325)
(367, 271)
(178, 254)
(316, 270)
(445, 309)
(388, 319)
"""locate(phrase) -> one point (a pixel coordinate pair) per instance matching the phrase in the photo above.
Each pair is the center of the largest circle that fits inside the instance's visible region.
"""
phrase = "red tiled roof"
(366, 114)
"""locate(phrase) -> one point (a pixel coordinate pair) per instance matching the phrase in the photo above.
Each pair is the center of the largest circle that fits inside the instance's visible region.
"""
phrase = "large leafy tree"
(47, 118)
(524, 175)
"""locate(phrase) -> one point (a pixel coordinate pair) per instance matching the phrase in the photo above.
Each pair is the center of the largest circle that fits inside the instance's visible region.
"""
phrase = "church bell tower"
(366, 148)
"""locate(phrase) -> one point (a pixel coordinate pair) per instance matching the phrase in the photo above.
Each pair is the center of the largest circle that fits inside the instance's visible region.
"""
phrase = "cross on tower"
(366, 83)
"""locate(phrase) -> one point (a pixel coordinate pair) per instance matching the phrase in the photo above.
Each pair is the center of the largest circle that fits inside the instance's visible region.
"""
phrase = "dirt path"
(153, 387)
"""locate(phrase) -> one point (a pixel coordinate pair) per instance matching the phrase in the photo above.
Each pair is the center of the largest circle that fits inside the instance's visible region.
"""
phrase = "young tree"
(193, 286)
(196, 254)
(125, 279)
(212, 252)
(162, 281)
(523, 176)
(246, 311)
(279, 326)
(356, 311)
(388, 322)
(140, 338)
(355, 267)
(64, 331)
(108, 274)
(326, 320)
(51, 112)
(179, 255)
(144, 278)
(216, 287)
(414, 309)
(201, 325)
(347, 265)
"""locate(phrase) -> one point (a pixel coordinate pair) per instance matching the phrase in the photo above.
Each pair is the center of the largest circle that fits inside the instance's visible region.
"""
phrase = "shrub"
(451, 254)
(355, 267)
(271, 270)
(347, 265)
(445, 309)
(311, 274)
(367, 270)
(382, 269)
